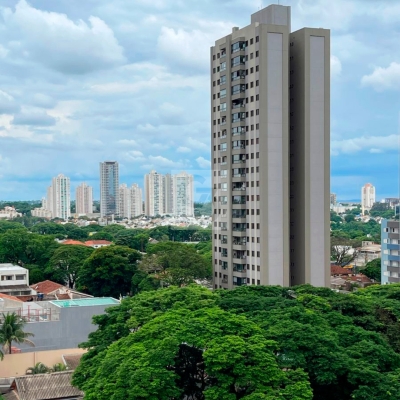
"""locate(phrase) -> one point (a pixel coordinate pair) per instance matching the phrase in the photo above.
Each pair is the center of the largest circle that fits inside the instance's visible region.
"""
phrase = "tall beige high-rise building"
(182, 194)
(124, 201)
(59, 197)
(136, 200)
(109, 189)
(270, 153)
(367, 197)
(169, 194)
(84, 199)
(154, 189)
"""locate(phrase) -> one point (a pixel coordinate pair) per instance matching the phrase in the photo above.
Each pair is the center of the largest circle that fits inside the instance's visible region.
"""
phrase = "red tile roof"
(46, 287)
(338, 270)
(97, 242)
(360, 278)
(63, 296)
(70, 241)
(6, 296)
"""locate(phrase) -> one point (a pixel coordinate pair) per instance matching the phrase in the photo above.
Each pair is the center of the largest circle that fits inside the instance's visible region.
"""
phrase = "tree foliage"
(109, 271)
(251, 343)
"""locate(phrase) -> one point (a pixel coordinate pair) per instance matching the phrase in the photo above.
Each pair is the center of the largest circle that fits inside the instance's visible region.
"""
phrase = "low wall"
(17, 364)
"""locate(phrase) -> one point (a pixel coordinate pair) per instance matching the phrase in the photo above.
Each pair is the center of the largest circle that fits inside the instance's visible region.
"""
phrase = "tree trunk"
(9, 347)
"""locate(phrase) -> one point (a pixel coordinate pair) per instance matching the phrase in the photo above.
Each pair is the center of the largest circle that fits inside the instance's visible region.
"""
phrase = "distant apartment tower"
(367, 197)
(154, 187)
(270, 92)
(84, 199)
(390, 251)
(124, 201)
(182, 195)
(333, 199)
(59, 197)
(169, 194)
(136, 201)
(109, 189)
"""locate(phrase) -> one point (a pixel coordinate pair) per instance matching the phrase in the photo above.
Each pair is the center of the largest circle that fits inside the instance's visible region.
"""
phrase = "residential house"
(14, 281)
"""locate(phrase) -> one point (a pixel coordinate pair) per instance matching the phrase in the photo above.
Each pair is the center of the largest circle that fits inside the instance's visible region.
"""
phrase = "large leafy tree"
(373, 270)
(109, 271)
(11, 330)
(66, 263)
(253, 343)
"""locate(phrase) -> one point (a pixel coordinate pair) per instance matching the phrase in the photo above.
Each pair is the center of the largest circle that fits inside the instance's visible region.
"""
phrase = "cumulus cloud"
(203, 163)
(383, 78)
(8, 105)
(336, 66)
(183, 149)
(35, 118)
(59, 43)
(373, 144)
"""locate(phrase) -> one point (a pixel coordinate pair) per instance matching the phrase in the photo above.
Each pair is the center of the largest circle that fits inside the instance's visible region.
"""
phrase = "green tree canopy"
(251, 343)
(66, 263)
(109, 271)
(373, 270)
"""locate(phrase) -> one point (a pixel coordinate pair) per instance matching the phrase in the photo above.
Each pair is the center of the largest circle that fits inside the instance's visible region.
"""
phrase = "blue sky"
(87, 81)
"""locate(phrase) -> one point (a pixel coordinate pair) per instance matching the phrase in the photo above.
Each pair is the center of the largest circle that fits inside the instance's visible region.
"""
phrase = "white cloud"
(8, 104)
(54, 40)
(182, 149)
(336, 66)
(127, 142)
(197, 144)
(372, 144)
(383, 78)
(203, 163)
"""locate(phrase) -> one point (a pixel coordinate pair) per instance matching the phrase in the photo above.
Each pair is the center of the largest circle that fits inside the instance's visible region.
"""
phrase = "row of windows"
(223, 121)
(237, 240)
(238, 215)
(246, 86)
(237, 46)
(225, 251)
(236, 144)
(222, 94)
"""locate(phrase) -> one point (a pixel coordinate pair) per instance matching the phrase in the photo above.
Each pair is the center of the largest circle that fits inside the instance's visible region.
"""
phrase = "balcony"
(238, 147)
(239, 268)
(240, 175)
(238, 130)
(224, 280)
(240, 187)
(239, 228)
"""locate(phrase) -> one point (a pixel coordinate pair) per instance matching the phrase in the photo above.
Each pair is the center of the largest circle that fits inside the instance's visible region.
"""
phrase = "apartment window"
(222, 93)
(223, 53)
(251, 84)
(252, 99)
(213, 109)
(222, 66)
(251, 70)
(241, 74)
(257, 97)
(257, 82)
(252, 113)
(238, 46)
(222, 107)
(214, 96)
(217, 55)
(257, 111)
(251, 56)
(214, 122)
(239, 60)
(252, 127)
(223, 80)
(214, 71)
(257, 53)
(214, 57)
(237, 117)
(214, 83)
(217, 69)
(258, 196)
(257, 39)
(238, 89)
(7, 277)
(257, 141)
(257, 67)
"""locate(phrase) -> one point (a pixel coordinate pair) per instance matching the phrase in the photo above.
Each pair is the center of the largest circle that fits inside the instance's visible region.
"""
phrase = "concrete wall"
(73, 328)
(17, 364)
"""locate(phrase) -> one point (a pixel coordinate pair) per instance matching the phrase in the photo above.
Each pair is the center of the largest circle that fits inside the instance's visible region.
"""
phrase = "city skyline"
(70, 115)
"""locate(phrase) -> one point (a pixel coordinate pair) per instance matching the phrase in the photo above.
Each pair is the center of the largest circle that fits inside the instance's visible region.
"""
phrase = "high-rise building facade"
(182, 195)
(390, 251)
(84, 199)
(367, 197)
(154, 188)
(59, 197)
(270, 153)
(169, 194)
(333, 199)
(124, 201)
(109, 189)
(136, 201)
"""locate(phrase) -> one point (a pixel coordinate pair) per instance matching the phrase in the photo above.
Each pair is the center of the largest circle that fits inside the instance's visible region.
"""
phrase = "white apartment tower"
(136, 200)
(367, 197)
(109, 189)
(124, 201)
(154, 187)
(169, 194)
(182, 194)
(59, 197)
(84, 199)
(270, 116)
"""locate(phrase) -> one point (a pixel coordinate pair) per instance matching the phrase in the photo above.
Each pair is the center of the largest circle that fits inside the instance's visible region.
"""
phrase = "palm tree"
(39, 368)
(11, 331)
(58, 367)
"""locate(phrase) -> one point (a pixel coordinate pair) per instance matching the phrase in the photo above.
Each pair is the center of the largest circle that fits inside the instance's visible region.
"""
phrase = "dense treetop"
(250, 343)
